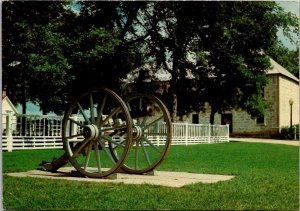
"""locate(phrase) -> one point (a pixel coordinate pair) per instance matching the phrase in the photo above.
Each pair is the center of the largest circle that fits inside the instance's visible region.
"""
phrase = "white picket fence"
(42, 132)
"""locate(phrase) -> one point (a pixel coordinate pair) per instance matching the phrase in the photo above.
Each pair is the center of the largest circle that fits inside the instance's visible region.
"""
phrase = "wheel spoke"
(160, 118)
(108, 138)
(92, 108)
(136, 154)
(110, 115)
(100, 111)
(145, 152)
(107, 152)
(140, 108)
(83, 114)
(77, 123)
(119, 143)
(140, 103)
(144, 121)
(97, 157)
(151, 144)
(128, 106)
(74, 136)
(80, 148)
(88, 156)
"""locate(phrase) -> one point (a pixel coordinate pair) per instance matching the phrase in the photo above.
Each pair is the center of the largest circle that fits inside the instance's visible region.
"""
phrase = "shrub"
(287, 134)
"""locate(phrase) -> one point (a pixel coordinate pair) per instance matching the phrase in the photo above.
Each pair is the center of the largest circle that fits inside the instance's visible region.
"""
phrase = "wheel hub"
(90, 132)
(137, 132)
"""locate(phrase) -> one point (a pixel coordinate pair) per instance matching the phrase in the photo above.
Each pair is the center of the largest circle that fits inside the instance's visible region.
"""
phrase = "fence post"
(186, 133)
(209, 134)
(157, 131)
(227, 132)
(73, 125)
(9, 131)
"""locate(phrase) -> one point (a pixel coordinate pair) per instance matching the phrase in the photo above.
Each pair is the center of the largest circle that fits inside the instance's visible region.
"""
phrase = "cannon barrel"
(147, 111)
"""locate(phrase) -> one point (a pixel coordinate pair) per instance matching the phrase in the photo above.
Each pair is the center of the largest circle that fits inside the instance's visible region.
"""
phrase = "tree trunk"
(46, 122)
(212, 116)
(174, 107)
(24, 100)
(23, 118)
(175, 75)
(45, 111)
(24, 106)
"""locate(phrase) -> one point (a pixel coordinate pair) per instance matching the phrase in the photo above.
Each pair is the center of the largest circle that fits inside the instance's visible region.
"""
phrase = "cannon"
(103, 134)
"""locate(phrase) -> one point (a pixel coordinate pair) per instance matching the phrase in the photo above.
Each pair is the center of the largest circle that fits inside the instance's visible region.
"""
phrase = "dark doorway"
(227, 119)
(195, 119)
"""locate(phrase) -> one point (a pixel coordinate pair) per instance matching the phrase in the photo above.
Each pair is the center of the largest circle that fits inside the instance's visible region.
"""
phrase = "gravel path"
(269, 141)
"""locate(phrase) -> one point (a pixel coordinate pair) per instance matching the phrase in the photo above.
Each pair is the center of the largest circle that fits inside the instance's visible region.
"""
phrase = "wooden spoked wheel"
(152, 134)
(96, 119)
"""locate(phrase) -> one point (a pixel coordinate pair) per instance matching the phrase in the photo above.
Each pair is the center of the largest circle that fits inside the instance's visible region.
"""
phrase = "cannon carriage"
(103, 134)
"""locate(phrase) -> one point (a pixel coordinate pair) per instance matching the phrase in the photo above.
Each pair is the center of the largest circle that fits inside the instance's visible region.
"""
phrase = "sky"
(289, 6)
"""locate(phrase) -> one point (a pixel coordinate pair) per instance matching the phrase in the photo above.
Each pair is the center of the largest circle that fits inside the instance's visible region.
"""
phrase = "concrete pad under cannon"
(164, 178)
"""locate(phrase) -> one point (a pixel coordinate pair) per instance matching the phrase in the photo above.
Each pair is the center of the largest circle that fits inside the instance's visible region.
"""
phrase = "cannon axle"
(147, 111)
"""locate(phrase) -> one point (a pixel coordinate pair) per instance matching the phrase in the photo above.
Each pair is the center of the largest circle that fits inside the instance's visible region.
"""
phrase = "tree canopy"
(287, 58)
(34, 67)
(221, 44)
(215, 52)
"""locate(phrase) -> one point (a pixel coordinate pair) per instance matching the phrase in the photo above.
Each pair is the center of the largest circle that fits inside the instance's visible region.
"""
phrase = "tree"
(69, 52)
(48, 63)
(218, 45)
(238, 34)
(102, 51)
(169, 29)
(222, 44)
(34, 67)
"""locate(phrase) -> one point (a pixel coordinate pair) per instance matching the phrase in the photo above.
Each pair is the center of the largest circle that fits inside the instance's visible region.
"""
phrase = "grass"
(267, 178)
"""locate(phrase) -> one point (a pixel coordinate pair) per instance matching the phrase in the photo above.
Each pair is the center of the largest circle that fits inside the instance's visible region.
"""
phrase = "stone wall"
(277, 94)
(289, 89)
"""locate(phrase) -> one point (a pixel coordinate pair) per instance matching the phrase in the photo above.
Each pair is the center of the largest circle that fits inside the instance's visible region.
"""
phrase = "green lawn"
(267, 178)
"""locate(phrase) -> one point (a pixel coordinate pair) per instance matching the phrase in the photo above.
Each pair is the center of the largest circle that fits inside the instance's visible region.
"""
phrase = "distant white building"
(7, 107)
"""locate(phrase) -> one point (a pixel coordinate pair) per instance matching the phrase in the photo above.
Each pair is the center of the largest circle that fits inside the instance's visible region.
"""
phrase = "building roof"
(278, 69)
(5, 98)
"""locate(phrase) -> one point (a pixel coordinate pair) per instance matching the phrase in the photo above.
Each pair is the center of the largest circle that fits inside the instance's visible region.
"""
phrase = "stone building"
(282, 88)
(280, 92)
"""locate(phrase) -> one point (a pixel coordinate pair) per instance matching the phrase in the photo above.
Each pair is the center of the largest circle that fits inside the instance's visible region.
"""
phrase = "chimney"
(4, 92)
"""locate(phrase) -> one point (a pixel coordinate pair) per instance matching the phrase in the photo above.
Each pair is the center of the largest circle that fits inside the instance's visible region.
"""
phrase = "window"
(195, 119)
(260, 120)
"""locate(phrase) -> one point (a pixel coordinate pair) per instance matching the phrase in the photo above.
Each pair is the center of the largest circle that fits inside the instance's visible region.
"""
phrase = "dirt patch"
(164, 178)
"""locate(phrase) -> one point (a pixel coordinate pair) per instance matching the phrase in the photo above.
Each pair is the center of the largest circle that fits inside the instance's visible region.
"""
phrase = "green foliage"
(287, 134)
(287, 58)
(266, 178)
(34, 65)
(51, 53)
(221, 44)
(101, 51)
(90, 49)
(236, 68)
